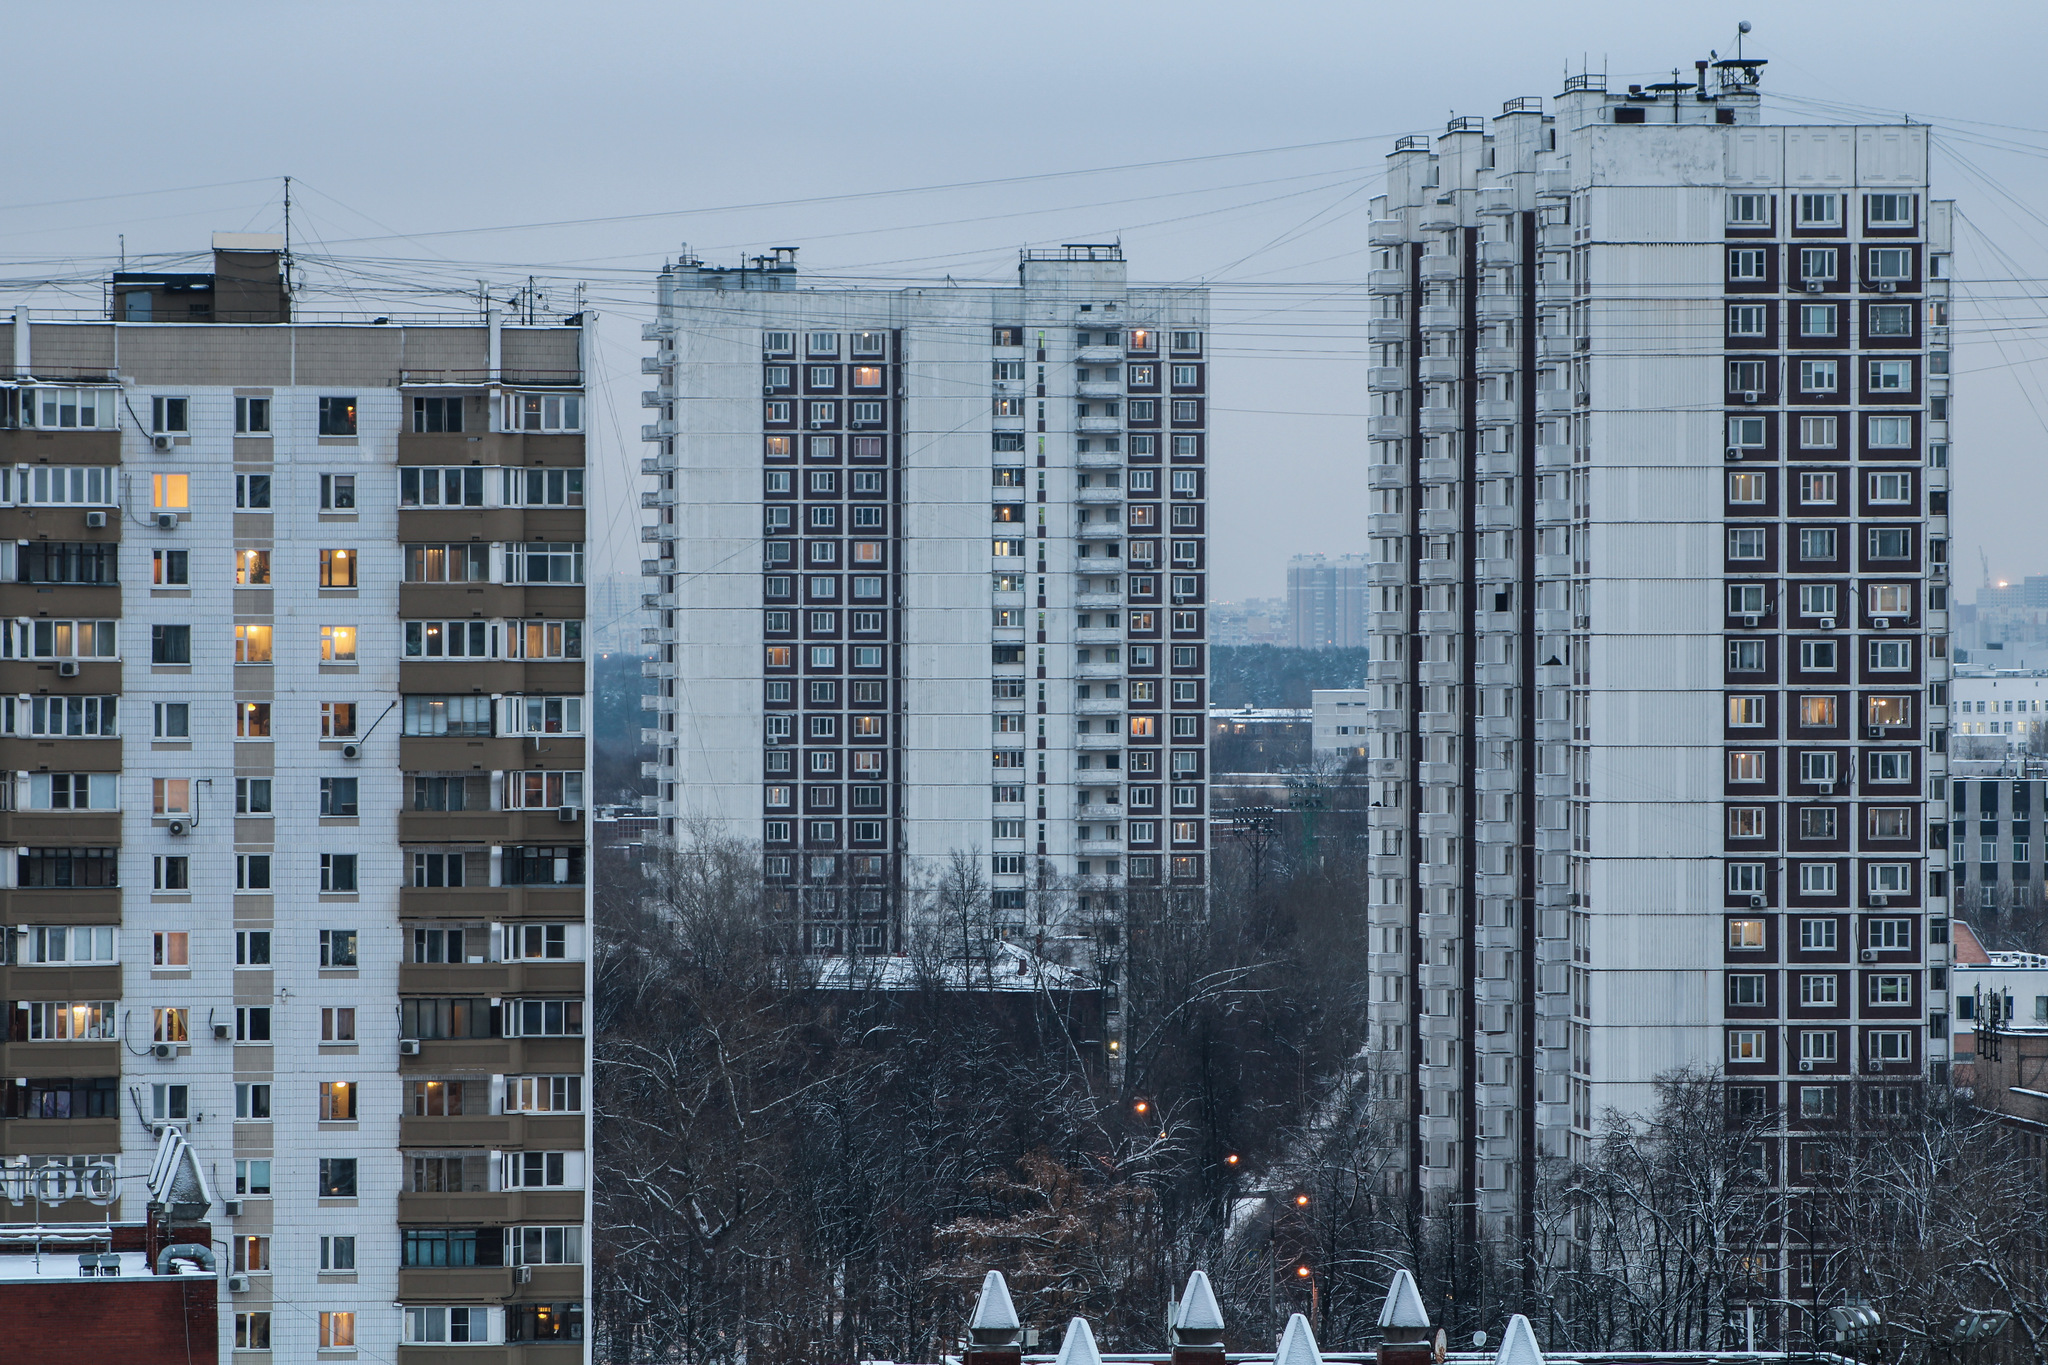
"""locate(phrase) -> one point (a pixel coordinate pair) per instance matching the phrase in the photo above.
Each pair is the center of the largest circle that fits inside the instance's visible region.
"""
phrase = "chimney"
(1404, 1324)
(1197, 1334)
(994, 1335)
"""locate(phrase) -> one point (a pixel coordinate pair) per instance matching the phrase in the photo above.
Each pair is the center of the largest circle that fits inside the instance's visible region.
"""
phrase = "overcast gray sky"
(423, 137)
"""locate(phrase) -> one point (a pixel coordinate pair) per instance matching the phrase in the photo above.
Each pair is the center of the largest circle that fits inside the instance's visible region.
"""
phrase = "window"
(1816, 1102)
(1816, 599)
(1745, 765)
(337, 719)
(1817, 263)
(55, 409)
(54, 1021)
(1746, 656)
(252, 492)
(252, 417)
(252, 1330)
(337, 947)
(1746, 1045)
(544, 1245)
(432, 1326)
(1817, 543)
(1745, 990)
(171, 568)
(1749, 210)
(1891, 319)
(337, 1329)
(1890, 542)
(1745, 934)
(1816, 765)
(337, 1178)
(1890, 433)
(168, 644)
(1891, 376)
(543, 1170)
(251, 1254)
(1817, 433)
(1889, 711)
(74, 791)
(1888, 210)
(1818, 319)
(1817, 656)
(1818, 936)
(542, 715)
(1817, 1045)
(59, 868)
(171, 415)
(1745, 878)
(1747, 543)
(1819, 210)
(1745, 599)
(1894, 935)
(338, 416)
(434, 415)
(1749, 433)
(252, 870)
(543, 412)
(169, 1102)
(543, 1094)
(252, 1024)
(171, 873)
(1891, 656)
(337, 872)
(1746, 263)
(1891, 766)
(1742, 488)
(1749, 320)
(64, 717)
(1891, 263)
(1817, 879)
(1817, 376)
(338, 1024)
(1891, 488)
(77, 945)
(544, 1322)
(337, 644)
(544, 562)
(337, 1101)
(252, 1100)
(459, 563)
(252, 568)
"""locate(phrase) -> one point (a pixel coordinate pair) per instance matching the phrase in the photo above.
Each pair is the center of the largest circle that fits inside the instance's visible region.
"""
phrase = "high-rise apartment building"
(1660, 530)
(294, 714)
(1327, 602)
(931, 572)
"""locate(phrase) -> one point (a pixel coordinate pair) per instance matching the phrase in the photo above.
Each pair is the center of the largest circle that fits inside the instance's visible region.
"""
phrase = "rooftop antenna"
(1740, 29)
(288, 241)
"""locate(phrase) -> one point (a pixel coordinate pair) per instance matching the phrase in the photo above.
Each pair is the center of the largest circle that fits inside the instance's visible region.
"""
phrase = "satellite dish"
(1742, 27)
(1479, 1341)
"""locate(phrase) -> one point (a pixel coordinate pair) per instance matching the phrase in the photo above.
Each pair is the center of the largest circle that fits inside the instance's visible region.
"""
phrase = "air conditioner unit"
(1806, 1064)
(238, 1284)
(408, 1047)
(95, 520)
(1827, 623)
(569, 815)
(1886, 287)
(1751, 396)
(165, 1050)
(1750, 621)
(1881, 622)
(351, 751)
(768, 389)
(167, 521)
(1815, 286)
(160, 442)
(1756, 902)
(1876, 1064)
(1868, 954)
(220, 1033)
(231, 1207)
(1877, 732)
(177, 827)
(67, 668)
(1734, 452)
(1937, 572)
(1826, 788)
(1880, 900)
(522, 1274)
(816, 425)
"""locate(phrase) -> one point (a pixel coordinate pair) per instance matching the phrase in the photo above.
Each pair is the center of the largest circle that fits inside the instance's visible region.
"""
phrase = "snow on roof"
(1199, 1311)
(1078, 1346)
(61, 1263)
(1404, 1303)
(1518, 1344)
(1297, 1344)
(994, 1312)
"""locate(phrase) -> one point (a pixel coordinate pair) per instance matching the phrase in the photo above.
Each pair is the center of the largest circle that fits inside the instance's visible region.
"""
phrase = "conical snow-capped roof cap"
(1518, 1344)
(993, 1311)
(1297, 1344)
(1403, 1310)
(1199, 1312)
(1078, 1347)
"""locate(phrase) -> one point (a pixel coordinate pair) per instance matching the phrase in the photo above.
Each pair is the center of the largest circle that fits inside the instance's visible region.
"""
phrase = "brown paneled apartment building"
(294, 715)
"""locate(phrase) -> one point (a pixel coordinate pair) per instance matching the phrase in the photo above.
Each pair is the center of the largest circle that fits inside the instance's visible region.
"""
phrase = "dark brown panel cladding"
(491, 448)
(60, 447)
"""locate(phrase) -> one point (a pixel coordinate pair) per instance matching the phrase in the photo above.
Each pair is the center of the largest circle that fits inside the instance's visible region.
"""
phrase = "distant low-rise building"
(2002, 702)
(1991, 987)
(1340, 721)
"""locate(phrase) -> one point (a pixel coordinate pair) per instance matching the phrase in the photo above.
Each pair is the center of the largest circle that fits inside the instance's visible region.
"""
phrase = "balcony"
(1497, 410)
(1555, 346)
(1499, 306)
(1382, 427)
(1553, 456)
(1386, 378)
(1553, 402)
(1495, 359)
(1099, 355)
(1440, 419)
(1386, 232)
(1492, 517)
(1440, 217)
(1438, 368)
(1500, 253)
(1555, 236)
(1497, 199)
(1441, 267)
(1099, 388)
(1386, 329)
(1110, 425)
(1096, 496)
(1386, 281)
(1439, 317)
(1553, 291)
